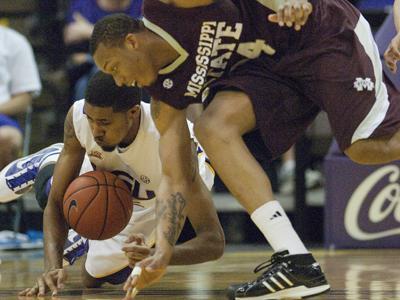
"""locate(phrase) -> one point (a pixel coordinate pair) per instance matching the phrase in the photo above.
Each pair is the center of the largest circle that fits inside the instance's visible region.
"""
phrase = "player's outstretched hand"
(52, 280)
(292, 13)
(145, 273)
(136, 249)
(392, 54)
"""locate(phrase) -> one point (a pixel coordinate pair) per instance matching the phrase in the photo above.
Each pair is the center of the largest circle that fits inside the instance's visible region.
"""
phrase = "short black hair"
(103, 92)
(112, 30)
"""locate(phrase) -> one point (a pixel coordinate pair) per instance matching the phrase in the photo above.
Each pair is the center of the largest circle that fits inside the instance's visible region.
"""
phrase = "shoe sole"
(293, 293)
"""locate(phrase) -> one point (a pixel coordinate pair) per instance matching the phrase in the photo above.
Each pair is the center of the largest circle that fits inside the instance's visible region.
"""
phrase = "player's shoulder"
(78, 106)
(147, 124)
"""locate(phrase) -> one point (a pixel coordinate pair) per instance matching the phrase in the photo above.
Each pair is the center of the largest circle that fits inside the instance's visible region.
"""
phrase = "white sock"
(273, 222)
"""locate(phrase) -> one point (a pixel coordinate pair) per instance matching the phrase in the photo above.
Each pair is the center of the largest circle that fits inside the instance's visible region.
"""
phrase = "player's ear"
(131, 41)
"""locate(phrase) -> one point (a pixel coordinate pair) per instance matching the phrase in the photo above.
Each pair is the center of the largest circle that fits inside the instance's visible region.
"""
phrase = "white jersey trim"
(183, 55)
(378, 111)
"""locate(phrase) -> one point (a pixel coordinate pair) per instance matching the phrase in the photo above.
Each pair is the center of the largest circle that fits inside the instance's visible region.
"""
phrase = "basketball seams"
(106, 210)
(89, 202)
(127, 217)
(92, 177)
(87, 205)
(98, 205)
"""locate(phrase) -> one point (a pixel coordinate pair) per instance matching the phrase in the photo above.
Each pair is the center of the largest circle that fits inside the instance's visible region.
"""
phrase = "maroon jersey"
(210, 40)
(332, 64)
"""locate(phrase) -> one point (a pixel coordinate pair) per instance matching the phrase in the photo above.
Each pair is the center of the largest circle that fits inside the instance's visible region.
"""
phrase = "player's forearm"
(171, 215)
(205, 247)
(55, 233)
(396, 14)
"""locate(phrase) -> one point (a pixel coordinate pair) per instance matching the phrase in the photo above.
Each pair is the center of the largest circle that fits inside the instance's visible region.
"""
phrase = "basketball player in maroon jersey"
(254, 76)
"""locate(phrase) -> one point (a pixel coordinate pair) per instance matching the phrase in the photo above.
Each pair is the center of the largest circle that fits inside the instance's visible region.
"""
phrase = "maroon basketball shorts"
(341, 74)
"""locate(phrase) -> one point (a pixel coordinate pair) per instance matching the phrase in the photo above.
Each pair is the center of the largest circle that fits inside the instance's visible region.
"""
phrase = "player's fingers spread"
(24, 292)
(41, 286)
(132, 238)
(32, 292)
(288, 15)
(396, 52)
(48, 279)
(280, 14)
(273, 18)
(298, 12)
(306, 10)
(135, 238)
(61, 278)
(142, 238)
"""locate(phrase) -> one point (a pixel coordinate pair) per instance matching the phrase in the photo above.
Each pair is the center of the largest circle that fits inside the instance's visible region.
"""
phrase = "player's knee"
(361, 153)
(355, 153)
(219, 245)
(208, 129)
(11, 135)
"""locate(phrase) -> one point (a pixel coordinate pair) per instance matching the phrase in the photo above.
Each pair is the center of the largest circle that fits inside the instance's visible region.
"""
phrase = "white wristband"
(136, 271)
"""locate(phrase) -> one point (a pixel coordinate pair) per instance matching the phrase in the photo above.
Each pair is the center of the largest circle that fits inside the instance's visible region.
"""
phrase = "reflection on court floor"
(353, 275)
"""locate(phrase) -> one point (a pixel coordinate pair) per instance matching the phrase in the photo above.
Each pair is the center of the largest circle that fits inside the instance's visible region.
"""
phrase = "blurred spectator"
(19, 81)
(81, 16)
(286, 174)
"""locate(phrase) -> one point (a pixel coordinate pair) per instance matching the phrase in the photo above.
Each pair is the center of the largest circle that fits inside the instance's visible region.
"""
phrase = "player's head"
(119, 48)
(113, 112)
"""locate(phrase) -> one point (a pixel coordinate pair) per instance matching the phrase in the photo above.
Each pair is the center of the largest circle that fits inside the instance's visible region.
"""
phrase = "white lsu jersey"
(138, 164)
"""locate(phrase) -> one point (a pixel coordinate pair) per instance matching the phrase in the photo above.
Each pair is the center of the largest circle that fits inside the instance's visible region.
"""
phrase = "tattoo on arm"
(171, 210)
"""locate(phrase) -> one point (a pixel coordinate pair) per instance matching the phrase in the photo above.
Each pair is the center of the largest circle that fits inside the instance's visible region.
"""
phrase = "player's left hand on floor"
(292, 13)
(392, 53)
(52, 280)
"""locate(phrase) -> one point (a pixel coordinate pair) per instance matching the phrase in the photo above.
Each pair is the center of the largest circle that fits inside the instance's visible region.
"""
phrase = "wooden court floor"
(353, 274)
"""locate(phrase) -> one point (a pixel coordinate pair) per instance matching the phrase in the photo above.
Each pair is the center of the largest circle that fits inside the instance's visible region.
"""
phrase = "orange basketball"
(97, 205)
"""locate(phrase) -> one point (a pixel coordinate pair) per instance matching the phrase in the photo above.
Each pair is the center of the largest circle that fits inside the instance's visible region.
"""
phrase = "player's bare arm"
(207, 245)
(175, 154)
(209, 241)
(392, 53)
(55, 228)
(178, 185)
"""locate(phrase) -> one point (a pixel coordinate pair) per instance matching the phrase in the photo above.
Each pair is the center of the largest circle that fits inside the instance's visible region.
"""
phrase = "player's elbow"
(216, 245)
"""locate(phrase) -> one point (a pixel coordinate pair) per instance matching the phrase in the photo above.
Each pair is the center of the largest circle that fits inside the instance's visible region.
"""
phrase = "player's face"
(129, 64)
(109, 128)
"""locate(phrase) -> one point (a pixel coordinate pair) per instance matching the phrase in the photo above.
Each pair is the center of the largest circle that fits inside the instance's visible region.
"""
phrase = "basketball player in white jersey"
(116, 133)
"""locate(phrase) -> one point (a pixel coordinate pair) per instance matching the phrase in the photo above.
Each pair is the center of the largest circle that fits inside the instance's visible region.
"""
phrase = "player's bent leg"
(10, 144)
(219, 130)
(75, 247)
(291, 273)
(19, 176)
(375, 150)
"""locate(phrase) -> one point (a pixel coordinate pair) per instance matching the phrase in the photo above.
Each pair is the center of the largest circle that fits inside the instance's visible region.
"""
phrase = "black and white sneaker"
(286, 276)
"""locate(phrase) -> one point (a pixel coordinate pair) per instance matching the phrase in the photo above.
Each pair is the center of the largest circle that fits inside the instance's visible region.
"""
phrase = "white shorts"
(106, 257)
